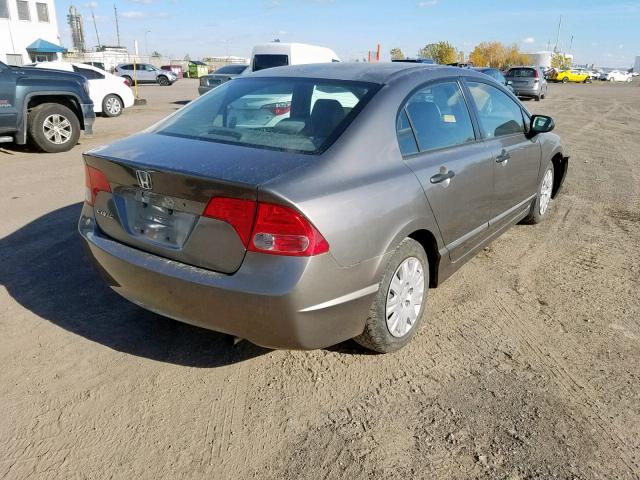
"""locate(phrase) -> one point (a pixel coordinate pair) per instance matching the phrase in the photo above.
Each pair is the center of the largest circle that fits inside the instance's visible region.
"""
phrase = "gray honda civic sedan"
(301, 206)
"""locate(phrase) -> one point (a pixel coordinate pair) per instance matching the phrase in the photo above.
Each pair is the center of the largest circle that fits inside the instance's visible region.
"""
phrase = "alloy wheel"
(57, 129)
(113, 106)
(545, 191)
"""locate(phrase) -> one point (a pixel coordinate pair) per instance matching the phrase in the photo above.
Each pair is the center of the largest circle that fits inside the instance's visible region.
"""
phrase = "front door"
(439, 144)
(516, 155)
(8, 109)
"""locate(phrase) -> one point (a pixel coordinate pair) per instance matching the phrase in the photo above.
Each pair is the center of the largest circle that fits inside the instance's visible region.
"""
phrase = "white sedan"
(616, 76)
(110, 94)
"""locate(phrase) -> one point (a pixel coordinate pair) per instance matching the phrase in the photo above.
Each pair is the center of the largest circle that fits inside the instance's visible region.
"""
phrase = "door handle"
(443, 176)
(503, 157)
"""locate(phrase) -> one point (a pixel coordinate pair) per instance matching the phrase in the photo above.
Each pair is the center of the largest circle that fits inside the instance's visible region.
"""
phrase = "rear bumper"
(527, 91)
(272, 301)
(89, 117)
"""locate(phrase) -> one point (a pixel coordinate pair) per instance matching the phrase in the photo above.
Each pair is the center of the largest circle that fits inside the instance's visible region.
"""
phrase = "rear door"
(438, 142)
(8, 109)
(516, 156)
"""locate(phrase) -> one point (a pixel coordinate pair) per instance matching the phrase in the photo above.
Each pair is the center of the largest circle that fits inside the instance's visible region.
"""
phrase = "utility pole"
(571, 45)
(115, 11)
(95, 26)
(555, 49)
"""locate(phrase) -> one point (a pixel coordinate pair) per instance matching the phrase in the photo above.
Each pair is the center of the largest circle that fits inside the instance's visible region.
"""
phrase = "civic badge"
(144, 179)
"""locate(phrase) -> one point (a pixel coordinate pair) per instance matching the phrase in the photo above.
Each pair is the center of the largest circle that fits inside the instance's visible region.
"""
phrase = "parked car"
(276, 54)
(528, 81)
(576, 76)
(427, 61)
(110, 94)
(45, 108)
(145, 73)
(99, 65)
(497, 76)
(221, 75)
(616, 76)
(330, 224)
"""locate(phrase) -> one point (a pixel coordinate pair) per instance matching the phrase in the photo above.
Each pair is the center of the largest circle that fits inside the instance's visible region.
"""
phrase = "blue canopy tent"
(41, 50)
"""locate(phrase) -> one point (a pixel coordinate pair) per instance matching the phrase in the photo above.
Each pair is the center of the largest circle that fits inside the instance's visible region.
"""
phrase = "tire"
(53, 128)
(112, 106)
(537, 97)
(565, 80)
(128, 79)
(377, 334)
(540, 208)
(163, 80)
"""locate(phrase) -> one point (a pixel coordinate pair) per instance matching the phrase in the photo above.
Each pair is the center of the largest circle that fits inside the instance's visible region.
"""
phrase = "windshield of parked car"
(521, 72)
(289, 114)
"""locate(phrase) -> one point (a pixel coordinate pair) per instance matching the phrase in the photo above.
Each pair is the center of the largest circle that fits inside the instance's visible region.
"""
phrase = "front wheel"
(565, 80)
(163, 81)
(112, 106)
(543, 199)
(53, 128)
(398, 308)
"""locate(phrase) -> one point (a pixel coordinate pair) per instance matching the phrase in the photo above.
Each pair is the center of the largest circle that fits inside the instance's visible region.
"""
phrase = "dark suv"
(47, 108)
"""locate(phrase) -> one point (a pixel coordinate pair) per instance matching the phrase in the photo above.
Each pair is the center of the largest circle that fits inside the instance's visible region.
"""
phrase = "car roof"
(380, 73)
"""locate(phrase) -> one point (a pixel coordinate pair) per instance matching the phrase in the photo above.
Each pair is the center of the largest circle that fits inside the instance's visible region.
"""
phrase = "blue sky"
(605, 32)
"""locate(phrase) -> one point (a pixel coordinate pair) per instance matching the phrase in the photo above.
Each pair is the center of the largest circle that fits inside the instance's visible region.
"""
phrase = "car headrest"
(326, 116)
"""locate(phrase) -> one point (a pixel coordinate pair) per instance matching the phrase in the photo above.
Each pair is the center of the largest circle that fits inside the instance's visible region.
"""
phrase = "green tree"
(441, 52)
(396, 54)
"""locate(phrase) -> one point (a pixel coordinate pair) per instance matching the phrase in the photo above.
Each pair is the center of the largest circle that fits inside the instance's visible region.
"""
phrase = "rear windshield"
(521, 72)
(260, 62)
(231, 69)
(289, 114)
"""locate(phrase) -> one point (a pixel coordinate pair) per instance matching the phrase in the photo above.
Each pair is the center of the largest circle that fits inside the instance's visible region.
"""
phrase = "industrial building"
(28, 31)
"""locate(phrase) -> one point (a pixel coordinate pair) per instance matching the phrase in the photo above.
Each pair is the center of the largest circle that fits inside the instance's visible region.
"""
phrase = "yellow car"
(578, 76)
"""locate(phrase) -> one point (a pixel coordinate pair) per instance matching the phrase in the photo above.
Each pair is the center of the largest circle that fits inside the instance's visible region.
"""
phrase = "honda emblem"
(144, 179)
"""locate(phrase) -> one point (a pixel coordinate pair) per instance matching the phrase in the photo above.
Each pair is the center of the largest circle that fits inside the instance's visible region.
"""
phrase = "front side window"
(498, 114)
(261, 62)
(4, 9)
(42, 10)
(23, 10)
(289, 114)
(439, 117)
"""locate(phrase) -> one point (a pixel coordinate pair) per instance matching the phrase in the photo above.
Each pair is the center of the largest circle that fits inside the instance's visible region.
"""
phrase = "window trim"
(477, 115)
(8, 17)
(477, 132)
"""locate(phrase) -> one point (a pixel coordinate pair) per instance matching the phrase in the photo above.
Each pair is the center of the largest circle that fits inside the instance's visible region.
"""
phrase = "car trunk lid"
(161, 185)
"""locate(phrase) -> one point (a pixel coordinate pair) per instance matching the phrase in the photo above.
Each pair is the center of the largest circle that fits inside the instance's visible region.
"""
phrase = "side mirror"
(541, 124)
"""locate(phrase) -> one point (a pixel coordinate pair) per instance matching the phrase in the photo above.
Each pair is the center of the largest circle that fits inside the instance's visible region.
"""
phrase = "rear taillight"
(272, 229)
(95, 182)
(283, 231)
(278, 108)
(236, 212)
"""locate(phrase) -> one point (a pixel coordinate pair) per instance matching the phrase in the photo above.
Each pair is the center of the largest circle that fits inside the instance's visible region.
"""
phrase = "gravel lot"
(528, 365)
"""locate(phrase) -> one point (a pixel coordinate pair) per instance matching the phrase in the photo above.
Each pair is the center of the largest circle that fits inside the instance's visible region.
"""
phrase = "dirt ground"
(528, 365)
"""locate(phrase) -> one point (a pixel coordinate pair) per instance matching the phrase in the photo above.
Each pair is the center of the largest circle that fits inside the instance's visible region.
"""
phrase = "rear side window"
(261, 62)
(521, 72)
(439, 117)
(290, 114)
(406, 139)
(498, 114)
(88, 73)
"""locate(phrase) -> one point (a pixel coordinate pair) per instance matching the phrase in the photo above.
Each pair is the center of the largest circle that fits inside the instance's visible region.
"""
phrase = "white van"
(276, 54)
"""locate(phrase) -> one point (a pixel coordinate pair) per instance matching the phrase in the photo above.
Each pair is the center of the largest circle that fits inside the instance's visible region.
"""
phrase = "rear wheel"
(398, 308)
(53, 128)
(112, 105)
(128, 79)
(162, 80)
(543, 199)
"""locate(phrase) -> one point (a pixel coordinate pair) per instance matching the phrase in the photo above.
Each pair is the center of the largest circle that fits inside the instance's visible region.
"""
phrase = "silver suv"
(528, 81)
(145, 73)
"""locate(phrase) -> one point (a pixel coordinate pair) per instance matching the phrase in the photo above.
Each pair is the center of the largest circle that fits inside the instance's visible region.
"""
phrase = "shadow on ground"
(46, 269)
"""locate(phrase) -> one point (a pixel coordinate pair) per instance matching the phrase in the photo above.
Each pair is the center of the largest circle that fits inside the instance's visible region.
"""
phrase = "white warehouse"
(28, 31)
